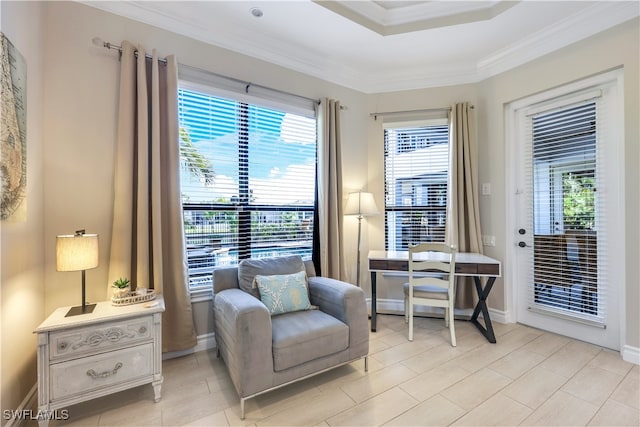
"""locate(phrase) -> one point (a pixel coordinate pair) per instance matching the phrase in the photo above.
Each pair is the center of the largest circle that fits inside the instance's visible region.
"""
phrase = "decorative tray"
(133, 298)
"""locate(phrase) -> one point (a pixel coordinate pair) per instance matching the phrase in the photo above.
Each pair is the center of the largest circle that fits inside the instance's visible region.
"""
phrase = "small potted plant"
(121, 287)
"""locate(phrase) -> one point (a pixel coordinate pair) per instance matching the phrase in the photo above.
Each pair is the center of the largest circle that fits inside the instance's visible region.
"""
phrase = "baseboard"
(204, 342)
(499, 316)
(27, 409)
(630, 354)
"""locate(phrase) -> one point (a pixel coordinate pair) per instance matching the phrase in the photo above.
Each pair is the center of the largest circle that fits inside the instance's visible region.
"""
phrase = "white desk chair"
(436, 287)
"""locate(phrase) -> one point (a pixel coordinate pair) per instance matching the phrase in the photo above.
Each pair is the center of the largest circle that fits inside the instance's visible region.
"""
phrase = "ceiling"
(382, 46)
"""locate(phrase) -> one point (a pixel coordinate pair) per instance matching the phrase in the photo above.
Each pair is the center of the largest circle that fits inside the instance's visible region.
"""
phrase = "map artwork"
(13, 157)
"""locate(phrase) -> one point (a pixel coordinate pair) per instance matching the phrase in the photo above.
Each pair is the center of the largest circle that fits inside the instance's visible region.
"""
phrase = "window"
(248, 181)
(416, 182)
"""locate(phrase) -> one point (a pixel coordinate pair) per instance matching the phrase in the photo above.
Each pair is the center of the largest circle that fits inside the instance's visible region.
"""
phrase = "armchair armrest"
(346, 303)
(243, 336)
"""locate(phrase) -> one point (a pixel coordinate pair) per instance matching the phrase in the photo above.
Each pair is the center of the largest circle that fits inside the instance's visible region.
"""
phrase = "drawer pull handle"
(142, 330)
(104, 374)
(62, 346)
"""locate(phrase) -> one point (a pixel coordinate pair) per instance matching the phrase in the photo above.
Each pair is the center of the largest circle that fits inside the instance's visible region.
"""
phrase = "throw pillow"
(284, 293)
(248, 269)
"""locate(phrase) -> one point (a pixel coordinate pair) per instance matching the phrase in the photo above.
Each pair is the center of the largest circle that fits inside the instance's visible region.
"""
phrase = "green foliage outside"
(578, 201)
(194, 161)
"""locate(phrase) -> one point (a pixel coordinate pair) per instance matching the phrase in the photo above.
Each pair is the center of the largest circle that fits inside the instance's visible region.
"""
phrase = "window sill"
(201, 295)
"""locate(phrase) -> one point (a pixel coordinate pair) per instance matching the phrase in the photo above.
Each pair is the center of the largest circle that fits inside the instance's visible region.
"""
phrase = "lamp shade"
(76, 252)
(361, 203)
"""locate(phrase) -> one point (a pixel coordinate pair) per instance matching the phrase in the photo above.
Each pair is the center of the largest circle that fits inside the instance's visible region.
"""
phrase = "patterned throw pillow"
(284, 293)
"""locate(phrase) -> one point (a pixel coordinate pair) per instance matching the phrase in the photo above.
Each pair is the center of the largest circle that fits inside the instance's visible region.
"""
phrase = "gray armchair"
(264, 352)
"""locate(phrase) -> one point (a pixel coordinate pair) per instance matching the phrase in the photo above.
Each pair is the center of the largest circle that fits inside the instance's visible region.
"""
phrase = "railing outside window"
(211, 234)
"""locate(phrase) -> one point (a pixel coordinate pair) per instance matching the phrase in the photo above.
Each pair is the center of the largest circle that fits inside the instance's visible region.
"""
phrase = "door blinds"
(568, 277)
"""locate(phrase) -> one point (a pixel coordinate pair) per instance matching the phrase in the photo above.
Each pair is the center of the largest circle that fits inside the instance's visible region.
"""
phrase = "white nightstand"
(91, 355)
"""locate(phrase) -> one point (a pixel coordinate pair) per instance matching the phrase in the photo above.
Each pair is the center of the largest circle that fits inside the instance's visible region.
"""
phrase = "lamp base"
(74, 311)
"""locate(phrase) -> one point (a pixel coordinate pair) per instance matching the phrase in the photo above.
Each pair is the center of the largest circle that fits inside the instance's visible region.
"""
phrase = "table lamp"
(78, 252)
(361, 204)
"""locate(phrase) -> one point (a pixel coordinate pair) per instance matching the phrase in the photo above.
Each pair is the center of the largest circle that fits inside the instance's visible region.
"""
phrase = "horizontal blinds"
(199, 80)
(567, 272)
(248, 181)
(416, 171)
(208, 137)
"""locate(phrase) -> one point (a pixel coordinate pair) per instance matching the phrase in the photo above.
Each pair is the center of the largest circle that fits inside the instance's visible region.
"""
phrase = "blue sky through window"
(282, 151)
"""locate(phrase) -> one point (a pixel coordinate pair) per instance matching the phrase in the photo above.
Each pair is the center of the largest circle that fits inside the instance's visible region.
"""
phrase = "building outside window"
(416, 182)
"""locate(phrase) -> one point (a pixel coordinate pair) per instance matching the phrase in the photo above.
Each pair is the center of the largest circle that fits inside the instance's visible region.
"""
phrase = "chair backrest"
(429, 262)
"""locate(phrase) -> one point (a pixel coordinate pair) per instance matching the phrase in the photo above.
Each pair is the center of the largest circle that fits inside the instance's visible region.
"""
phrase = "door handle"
(522, 244)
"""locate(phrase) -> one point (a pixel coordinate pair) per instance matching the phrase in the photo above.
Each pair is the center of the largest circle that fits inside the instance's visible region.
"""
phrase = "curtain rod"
(101, 43)
(424, 110)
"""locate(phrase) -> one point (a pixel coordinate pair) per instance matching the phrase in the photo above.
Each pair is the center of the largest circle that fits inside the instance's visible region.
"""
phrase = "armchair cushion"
(248, 269)
(303, 336)
(284, 293)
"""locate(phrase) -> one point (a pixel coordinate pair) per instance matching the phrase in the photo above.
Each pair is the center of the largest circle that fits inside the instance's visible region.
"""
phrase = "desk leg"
(482, 306)
(373, 301)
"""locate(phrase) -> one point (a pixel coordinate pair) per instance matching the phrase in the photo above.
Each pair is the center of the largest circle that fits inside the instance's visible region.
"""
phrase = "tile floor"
(529, 377)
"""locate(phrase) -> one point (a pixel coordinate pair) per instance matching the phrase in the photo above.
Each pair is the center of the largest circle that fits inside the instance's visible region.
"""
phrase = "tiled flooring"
(529, 377)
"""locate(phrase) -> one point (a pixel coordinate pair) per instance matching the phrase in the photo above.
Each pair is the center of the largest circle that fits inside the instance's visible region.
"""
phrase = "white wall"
(21, 242)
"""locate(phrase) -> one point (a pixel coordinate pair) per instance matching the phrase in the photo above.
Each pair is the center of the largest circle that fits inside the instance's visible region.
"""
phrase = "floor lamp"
(361, 204)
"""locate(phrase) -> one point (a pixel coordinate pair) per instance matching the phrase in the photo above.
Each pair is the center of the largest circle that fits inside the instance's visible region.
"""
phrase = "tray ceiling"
(381, 46)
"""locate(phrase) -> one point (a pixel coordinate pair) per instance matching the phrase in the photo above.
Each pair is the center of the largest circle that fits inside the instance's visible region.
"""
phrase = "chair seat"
(426, 291)
(302, 336)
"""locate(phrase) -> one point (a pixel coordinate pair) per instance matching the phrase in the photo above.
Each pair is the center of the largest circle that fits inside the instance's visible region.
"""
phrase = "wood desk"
(467, 264)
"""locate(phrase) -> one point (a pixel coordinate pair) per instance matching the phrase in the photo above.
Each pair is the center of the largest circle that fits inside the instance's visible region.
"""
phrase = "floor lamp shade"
(361, 204)
(78, 252)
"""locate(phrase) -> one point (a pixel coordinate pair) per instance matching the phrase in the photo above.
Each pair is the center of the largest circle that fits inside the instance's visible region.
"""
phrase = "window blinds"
(258, 198)
(416, 182)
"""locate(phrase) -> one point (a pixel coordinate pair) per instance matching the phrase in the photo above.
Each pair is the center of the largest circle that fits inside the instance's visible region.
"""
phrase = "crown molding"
(593, 20)
(597, 18)
(417, 17)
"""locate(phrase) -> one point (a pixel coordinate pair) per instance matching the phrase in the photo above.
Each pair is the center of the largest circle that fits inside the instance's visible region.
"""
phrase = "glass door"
(565, 282)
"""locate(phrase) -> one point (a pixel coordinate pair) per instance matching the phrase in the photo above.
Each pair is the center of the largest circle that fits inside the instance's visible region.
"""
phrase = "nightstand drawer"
(91, 339)
(90, 373)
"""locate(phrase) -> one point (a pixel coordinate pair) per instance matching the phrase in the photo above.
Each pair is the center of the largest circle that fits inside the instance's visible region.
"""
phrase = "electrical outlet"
(486, 189)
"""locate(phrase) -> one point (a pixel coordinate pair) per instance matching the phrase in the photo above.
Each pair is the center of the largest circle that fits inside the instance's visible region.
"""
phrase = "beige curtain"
(147, 242)
(463, 222)
(329, 203)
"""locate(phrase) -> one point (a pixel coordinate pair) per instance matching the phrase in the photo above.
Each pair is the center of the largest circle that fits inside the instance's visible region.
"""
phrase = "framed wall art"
(13, 134)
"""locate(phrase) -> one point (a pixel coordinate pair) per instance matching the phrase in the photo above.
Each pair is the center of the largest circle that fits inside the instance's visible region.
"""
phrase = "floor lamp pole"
(358, 260)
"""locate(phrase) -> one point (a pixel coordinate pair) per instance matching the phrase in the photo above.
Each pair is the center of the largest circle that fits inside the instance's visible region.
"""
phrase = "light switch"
(488, 240)
(486, 189)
